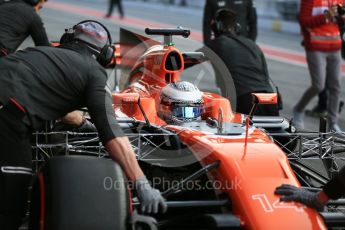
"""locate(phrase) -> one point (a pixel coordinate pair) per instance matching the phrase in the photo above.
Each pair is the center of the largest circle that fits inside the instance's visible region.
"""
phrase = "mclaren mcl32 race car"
(216, 172)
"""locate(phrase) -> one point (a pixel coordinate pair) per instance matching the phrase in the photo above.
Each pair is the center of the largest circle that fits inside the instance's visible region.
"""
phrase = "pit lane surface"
(288, 71)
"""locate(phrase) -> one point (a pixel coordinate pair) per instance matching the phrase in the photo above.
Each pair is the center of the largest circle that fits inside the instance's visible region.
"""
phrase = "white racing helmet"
(181, 101)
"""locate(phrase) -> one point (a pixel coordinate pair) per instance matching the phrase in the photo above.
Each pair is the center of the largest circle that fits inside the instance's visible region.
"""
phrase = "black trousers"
(245, 103)
(15, 165)
(111, 7)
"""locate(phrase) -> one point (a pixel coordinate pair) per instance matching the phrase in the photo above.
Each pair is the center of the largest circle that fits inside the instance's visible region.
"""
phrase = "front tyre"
(79, 192)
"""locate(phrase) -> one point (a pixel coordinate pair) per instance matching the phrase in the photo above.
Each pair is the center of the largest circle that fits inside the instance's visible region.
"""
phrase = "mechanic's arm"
(38, 32)
(78, 122)
(208, 17)
(74, 118)
(99, 103)
(121, 151)
(252, 20)
(119, 148)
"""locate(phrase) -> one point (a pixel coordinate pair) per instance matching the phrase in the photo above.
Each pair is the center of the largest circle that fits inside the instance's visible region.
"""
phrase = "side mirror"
(265, 98)
(258, 99)
(262, 99)
(133, 99)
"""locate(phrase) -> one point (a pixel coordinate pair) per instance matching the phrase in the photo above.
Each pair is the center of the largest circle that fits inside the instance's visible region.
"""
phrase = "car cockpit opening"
(173, 61)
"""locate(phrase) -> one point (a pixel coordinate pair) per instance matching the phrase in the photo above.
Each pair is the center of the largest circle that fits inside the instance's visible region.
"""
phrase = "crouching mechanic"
(334, 190)
(244, 60)
(45, 83)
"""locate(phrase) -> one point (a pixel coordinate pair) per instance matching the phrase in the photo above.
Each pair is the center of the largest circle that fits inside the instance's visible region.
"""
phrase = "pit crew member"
(322, 44)
(45, 83)
(247, 19)
(334, 190)
(18, 20)
(244, 60)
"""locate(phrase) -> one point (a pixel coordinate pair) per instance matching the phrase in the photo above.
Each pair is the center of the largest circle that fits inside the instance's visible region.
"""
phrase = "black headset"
(32, 2)
(106, 54)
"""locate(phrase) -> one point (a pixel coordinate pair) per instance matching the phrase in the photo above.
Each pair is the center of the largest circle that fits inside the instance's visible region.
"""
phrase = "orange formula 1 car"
(218, 171)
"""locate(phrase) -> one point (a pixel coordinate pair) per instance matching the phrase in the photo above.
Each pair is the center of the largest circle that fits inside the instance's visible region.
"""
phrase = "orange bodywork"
(248, 176)
(250, 181)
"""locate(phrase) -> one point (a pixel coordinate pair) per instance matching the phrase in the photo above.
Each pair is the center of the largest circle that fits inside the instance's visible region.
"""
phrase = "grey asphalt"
(292, 80)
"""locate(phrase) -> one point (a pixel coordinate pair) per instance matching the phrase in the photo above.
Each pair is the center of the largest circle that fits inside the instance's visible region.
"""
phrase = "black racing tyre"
(79, 192)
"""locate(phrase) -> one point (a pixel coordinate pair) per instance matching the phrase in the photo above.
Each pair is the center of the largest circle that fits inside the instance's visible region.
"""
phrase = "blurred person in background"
(322, 42)
(111, 7)
(320, 109)
(246, 16)
(244, 60)
(18, 20)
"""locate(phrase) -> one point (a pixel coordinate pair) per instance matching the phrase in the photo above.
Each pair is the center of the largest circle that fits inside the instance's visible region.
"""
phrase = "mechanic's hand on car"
(293, 193)
(151, 201)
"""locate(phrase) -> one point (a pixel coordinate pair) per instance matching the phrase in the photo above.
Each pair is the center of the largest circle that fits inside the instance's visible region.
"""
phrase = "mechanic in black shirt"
(245, 9)
(45, 83)
(334, 190)
(18, 20)
(244, 60)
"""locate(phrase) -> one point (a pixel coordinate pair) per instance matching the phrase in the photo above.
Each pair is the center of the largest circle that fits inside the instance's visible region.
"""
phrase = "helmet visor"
(187, 112)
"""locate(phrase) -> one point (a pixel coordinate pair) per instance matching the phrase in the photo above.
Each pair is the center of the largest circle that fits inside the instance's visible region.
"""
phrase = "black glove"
(293, 193)
(86, 127)
(150, 199)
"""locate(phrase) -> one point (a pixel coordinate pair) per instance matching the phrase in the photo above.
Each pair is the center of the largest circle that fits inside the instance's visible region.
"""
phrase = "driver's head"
(181, 102)
(225, 22)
